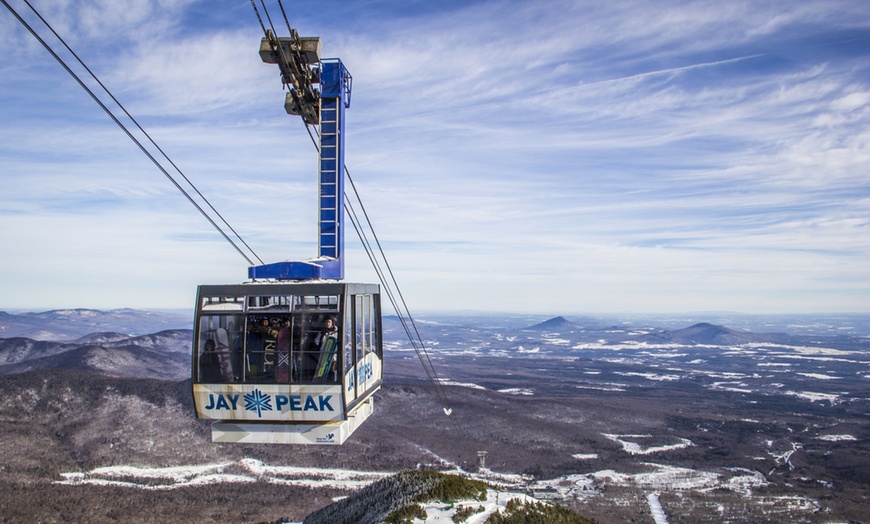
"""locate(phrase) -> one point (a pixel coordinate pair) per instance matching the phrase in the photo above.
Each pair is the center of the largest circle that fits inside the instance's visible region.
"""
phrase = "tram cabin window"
(220, 342)
(280, 340)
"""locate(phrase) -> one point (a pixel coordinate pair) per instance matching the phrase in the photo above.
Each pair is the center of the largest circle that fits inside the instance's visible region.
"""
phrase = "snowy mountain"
(555, 324)
(710, 334)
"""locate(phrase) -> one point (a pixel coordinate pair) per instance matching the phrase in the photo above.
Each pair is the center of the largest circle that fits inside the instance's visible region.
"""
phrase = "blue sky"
(542, 157)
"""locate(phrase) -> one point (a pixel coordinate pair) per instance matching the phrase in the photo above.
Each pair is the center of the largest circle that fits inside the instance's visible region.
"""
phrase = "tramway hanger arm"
(298, 60)
(318, 91)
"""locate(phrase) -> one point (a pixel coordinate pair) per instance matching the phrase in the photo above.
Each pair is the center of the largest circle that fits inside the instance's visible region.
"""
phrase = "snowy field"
(630, 445)
(242, 471)
(658, 479)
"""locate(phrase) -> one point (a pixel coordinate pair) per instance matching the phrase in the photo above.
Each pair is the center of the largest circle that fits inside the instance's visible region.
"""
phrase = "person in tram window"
(282, 371)
(330, 329)
(209, 364)
(327, 342)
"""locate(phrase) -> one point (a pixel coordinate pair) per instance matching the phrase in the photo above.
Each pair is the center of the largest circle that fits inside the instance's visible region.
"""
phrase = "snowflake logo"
(257, 401)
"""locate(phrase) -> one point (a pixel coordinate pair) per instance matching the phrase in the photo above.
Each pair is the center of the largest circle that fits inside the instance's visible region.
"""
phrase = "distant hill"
(71, 324)
(20, 349)
(164, 355)
(704, 333)
(554, 324)
(711, 334)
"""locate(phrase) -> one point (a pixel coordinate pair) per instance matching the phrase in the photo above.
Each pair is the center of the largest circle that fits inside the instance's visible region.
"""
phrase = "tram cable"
(284, 13)
(403, 312)
(409, 323)
(421, 351)
(129, 134)
(390, 295)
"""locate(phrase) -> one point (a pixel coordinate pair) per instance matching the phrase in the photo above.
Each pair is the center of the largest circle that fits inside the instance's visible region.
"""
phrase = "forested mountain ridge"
(164, 355)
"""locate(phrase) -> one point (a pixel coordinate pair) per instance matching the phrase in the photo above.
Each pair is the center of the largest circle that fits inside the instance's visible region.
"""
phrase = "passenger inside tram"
(209, 366)
(326, 346)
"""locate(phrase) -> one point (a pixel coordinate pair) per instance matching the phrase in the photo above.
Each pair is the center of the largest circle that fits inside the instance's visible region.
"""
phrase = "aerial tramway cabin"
(287, 362)
(294, 355)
